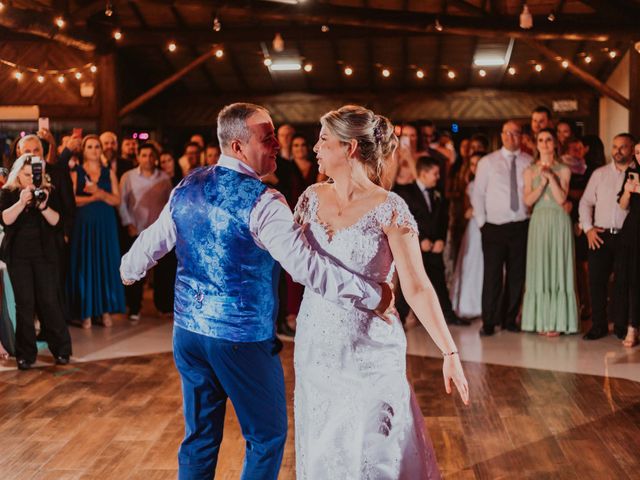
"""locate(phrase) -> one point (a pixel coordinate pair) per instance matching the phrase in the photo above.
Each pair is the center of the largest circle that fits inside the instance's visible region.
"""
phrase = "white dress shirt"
(601, 195)
(491, 199)
(273, 229)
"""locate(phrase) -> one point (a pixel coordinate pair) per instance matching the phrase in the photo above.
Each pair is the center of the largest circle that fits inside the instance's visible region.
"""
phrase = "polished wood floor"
(121, 419)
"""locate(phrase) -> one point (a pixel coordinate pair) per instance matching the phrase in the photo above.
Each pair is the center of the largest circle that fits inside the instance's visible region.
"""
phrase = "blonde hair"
(374, 134)
(16, 168)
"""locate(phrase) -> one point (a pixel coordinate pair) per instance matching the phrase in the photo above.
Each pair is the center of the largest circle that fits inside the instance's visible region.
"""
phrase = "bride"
(356, 416)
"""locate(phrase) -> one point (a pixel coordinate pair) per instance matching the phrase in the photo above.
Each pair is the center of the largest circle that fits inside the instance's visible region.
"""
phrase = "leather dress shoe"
(62, 360)
(486, 332)
(594, 335)
(512, 328)
(24, 364)
(453, 319)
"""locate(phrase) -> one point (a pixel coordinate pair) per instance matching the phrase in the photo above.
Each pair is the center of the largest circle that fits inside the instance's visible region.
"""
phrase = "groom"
(229, 230)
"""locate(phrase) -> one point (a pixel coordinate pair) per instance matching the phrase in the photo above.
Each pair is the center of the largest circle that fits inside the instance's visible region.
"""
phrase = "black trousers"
(35, 284)
(434, 266)
(504, 249)
(601, 265)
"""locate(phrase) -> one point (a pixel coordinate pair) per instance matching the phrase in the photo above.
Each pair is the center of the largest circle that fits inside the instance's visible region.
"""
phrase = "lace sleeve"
(397, 213)
(302, 212)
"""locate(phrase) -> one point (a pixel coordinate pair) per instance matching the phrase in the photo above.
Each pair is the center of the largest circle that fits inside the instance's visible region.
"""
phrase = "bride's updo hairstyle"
(374, 134)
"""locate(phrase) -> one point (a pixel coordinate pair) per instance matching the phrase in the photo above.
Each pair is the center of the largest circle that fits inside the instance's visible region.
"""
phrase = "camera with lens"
(37, 172)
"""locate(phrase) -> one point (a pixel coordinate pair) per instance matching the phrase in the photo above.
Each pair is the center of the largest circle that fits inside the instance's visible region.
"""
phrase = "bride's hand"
(452, 370)
(386, 308)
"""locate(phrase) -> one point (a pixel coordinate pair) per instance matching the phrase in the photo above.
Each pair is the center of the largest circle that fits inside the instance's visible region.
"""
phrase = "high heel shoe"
(631, 340)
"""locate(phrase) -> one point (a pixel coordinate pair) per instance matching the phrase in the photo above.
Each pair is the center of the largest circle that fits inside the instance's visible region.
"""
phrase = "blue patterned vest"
(226, 286)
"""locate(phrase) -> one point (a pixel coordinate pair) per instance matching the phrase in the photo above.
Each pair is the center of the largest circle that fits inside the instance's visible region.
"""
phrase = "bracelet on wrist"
(449, 354)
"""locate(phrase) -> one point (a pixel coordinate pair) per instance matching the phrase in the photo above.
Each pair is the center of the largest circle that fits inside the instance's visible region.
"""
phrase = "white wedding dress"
(356, 417)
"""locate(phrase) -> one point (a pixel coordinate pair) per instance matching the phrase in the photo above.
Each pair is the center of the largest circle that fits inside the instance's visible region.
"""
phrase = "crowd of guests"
(525, 237)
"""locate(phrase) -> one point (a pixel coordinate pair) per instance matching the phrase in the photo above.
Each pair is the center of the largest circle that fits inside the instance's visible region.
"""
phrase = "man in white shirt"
(601, 218)
(499, 209)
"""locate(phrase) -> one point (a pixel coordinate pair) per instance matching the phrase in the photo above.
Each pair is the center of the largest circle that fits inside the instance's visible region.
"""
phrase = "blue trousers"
(250, 375)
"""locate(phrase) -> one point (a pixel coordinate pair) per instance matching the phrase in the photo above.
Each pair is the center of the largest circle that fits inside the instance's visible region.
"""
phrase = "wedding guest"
(627, 268)
(144, 192)
(31, 248)
(168, 165)
(601, 218)
(565, 129)
(549, 305)
(94, 286)
(503, 218)
(466, 294)
(594, 155)
(212, 154)
(191, 158)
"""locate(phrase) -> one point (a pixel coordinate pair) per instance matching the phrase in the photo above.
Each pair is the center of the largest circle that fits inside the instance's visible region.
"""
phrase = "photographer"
(31, 249)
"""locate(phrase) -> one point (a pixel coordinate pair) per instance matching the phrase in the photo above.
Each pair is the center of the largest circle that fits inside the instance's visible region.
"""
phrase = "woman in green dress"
(550, 306)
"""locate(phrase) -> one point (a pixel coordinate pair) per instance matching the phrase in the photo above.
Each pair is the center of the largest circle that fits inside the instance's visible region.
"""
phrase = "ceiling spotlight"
(613, 54)
(59, 21)
(482, 72)
(172, 47)
(551, 17)
(526, 20)
(588, 59)
(108, 9)
(117, 34)
(420, 74)
(78, 75)
(18, 75)
(538, 68)
(324, 28)
(512, 71)
(267, 62)
(60, 79)
(40, 78)
(93, 69)
(386, 73)
(451, 74)
(438, 26)
(348, 71)
(219, 53)
(278, 43)
(308, 67)
(217, 26)
(565, 64)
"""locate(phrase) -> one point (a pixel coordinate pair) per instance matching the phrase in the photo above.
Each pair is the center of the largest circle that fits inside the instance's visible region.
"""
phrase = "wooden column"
(107, 92)
(634, 91)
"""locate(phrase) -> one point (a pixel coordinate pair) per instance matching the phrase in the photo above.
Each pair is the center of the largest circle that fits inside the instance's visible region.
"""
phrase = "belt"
(611, 231)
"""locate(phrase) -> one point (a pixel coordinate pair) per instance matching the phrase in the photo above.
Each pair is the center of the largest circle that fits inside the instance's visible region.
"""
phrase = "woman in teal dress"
(550, 306)
(95, 288)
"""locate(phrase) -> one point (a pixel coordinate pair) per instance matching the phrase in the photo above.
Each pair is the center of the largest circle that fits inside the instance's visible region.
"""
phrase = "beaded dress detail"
(356, 417)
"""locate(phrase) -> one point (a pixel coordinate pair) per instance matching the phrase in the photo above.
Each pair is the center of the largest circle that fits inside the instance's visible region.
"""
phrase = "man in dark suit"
(431, 211)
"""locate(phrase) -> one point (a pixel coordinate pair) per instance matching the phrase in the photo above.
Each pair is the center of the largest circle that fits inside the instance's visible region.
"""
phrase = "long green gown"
(550, 299)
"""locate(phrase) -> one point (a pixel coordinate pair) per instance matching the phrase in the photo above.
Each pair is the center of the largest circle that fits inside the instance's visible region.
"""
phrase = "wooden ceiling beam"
(586, 77)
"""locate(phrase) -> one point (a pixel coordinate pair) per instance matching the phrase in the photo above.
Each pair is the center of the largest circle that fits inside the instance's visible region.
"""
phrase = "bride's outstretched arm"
(422, 298)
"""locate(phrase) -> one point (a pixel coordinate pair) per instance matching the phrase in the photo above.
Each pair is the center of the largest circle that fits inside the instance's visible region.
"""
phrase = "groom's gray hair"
(232, 122)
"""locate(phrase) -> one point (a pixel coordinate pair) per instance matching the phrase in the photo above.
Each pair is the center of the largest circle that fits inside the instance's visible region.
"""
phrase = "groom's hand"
(386, 306)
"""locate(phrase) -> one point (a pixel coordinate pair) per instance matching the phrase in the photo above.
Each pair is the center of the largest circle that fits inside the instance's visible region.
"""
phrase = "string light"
(588, 59)
(420, 74)
(551, 17)
(538, 67)
(117, 34)
(93, 69)
(451, 74)
(59, 21)
(40, 78)
(565, 64)
(613, 54)
(217, 26)
(348, 71)
(438, 26)
(172, 47)
(386, 73)
(60, 79)
(18, 75)
(267, 62)
(308, 67)
(324, 28)
(78, 75)
(512, 71)
(219, 53)
(482, 72)
(108, 10)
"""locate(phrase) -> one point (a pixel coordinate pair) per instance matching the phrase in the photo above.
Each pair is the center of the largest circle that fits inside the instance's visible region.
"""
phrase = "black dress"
(627, 269)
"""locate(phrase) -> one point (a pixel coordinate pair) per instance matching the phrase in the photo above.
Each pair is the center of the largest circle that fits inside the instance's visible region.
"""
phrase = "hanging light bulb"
(267, 62)
(482, 72)
(219, 53)
(613, 54)
(538, 68)
(172, 46)
(217, 26)
(60, 79)
(420, 74)
(386, 73)
(18, 75)
(78, 75)
(348, 71)
(59, 21)
(438, 26)
(278, 43)
(451, 74)
(565, 64)
(93, 69)
(308, 67)
(108, 9)
(40, 78)
(526, 20)
(551, 17)
(324, 28)
(117, 34)
(588, 59)
(512, 71)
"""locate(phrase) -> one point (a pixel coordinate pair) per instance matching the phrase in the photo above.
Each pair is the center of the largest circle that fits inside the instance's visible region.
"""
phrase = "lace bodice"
(361, 247)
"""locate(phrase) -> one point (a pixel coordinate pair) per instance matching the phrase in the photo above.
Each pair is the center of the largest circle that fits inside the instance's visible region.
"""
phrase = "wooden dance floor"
(121, 419)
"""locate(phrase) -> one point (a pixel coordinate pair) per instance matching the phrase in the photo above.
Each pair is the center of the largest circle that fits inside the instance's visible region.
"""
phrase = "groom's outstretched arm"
(274, 229)
(151, 245)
